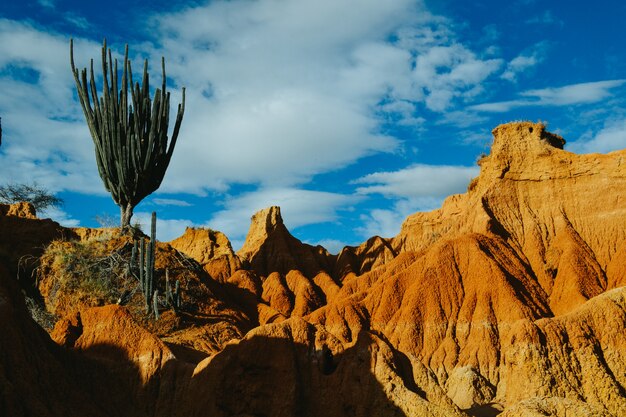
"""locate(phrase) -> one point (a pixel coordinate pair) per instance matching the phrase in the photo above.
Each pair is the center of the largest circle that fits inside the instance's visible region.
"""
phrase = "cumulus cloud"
(171, 202)
(446, 72)
(45, 138)
(277, 92)
(387, 222)
(519, 64)
(167, 229)
(610, 138)
(417, 188)
(572, 94)
(419, 180)
(266, 108)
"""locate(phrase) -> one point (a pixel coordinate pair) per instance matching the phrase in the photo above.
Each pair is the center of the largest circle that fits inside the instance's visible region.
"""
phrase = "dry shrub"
(77, 274)
(39, 313)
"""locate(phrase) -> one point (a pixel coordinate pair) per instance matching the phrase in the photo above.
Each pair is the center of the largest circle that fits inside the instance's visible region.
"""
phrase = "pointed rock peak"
(263, 224)
(267, 219)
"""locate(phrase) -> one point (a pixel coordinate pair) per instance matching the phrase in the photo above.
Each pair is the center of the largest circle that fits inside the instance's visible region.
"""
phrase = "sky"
(349, 114)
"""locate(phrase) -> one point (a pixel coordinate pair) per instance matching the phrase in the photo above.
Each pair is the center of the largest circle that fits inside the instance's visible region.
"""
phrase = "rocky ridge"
(508, 299)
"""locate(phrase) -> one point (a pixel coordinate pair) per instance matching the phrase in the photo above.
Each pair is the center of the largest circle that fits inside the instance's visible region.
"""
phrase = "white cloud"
(612, 137)
(333, 246)
(274, 104)
(170, 202)
(501, 106)
(575, 93)
(582, 93)
(277, 92)
(387, 222)
(44, 139)
(443, 73)
(60, 216)
(298, 208)
(418, 181)
(77, 20)
(380, 222)
(416, 188)
(518, 65)
(167, 229)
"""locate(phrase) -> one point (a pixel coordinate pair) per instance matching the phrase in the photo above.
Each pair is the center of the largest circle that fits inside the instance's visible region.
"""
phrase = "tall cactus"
(130, 138)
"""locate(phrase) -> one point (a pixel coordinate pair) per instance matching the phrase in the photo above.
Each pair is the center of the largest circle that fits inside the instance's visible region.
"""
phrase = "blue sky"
(349, 114)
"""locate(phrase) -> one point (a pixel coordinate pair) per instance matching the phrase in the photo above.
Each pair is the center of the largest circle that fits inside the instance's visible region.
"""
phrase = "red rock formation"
(269, 247)
(544, 202)
(211, 249)
(23, 238)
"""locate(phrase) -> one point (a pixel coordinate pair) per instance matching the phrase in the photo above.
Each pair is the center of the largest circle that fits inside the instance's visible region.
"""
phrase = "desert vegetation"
(35, 194)
(130, 136)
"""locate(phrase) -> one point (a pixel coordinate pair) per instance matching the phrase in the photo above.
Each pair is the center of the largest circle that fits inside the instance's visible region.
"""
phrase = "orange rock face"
(211, 249)
(508, 299)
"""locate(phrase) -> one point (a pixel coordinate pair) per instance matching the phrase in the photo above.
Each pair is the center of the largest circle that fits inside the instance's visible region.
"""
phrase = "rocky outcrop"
(22, 209)
(355, 261)
(211, 249)
(23, 238)
(579, 356)
(543, 202)
(269, 247)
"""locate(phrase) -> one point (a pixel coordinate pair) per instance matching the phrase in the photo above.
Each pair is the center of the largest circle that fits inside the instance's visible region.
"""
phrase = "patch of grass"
(84, 273)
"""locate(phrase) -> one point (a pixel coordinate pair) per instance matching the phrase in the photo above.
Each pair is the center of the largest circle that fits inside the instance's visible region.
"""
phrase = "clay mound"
(451, 304)
(317, 375)
(131, 356)
(211, 249)
(354, 261)
(78, 274)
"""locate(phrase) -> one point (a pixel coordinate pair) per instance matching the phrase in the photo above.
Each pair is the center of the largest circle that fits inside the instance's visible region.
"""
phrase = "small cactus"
(133, 259)
(147, 277)
(176, 295)
(155, 304)
(168, 290)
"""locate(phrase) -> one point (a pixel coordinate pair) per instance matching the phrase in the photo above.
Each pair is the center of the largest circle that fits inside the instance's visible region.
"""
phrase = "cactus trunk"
(125, 215)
